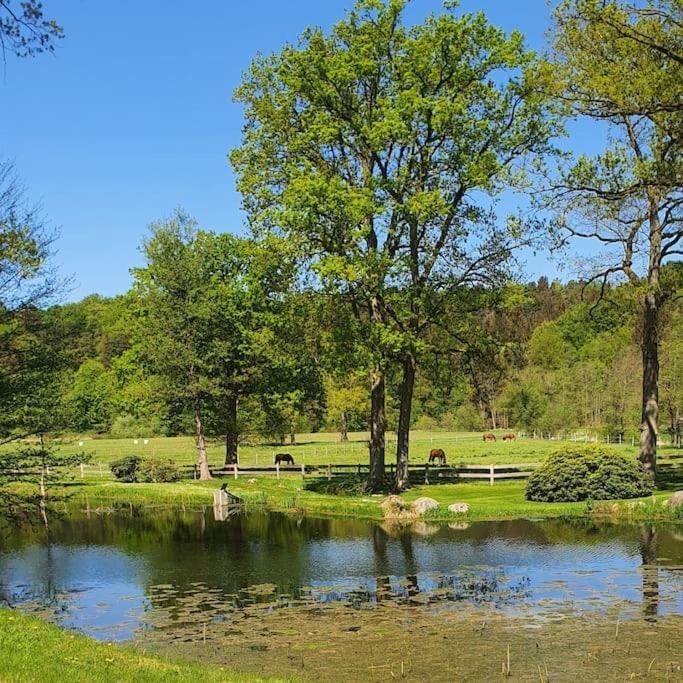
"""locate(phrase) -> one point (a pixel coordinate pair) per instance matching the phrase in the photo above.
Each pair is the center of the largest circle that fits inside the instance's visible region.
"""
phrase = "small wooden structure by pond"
(225, 504)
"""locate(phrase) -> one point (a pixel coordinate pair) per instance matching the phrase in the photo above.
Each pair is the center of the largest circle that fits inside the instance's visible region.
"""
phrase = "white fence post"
(492, 474)
(235, 470)
(277, 469)
(82, 471)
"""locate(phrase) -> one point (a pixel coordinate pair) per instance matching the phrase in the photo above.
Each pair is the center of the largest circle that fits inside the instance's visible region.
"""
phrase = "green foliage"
(157, 470)
(525, 405)
(133, 468)
(547, 347)
(89, 403)
(338, 486)
(38, 463)
(587, 472)
(126, 425)
(126, 469)
(465, 418)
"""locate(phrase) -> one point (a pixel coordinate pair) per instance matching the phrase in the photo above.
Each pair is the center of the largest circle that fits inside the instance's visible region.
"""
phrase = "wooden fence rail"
(418, 472)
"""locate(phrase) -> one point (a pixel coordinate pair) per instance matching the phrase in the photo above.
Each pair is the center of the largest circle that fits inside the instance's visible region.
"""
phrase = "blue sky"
(133, 115)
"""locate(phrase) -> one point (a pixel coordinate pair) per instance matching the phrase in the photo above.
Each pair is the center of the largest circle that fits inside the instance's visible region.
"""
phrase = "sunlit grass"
(33, 650)
(325, 448)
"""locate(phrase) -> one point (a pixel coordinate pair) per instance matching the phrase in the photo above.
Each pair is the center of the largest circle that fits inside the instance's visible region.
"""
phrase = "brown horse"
(509, 436)
(437, 454)
(283, 457)
(488, 436)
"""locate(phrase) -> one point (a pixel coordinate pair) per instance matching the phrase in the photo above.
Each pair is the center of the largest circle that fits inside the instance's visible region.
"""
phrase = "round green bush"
(125, 469)
(587, 472)
(156, 470)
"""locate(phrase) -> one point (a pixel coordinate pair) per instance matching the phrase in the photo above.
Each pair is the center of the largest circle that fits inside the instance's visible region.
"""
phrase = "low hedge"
(126, 468)
(587, 472)
(149, 470)
(157, 470)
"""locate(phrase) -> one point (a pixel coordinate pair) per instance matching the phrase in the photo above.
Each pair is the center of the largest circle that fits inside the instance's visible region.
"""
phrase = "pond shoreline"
(502, 501)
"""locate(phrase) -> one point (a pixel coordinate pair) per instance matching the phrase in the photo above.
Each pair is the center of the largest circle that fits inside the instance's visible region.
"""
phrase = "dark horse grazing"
(509, 436)
(489, 436)
(283, 457)
(437, 454)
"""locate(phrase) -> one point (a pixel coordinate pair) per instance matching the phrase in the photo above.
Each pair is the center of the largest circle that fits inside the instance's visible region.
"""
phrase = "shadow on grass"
(669, 479)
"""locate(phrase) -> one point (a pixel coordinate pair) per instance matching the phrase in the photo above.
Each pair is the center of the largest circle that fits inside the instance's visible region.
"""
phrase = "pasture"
(324, 448)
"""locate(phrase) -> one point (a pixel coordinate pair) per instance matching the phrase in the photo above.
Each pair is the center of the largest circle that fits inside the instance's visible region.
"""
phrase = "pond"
(176, 578)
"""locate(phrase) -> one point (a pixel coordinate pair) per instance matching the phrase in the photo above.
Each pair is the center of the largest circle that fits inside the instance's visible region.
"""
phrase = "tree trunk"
(292, 437)
(650, 404)
(377, 429)
(43, 489)
(402, 482)
(204, 472)
(231, 434)
(344, 426)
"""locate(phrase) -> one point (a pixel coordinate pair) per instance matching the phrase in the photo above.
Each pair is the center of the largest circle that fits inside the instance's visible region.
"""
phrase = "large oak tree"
(378, 147)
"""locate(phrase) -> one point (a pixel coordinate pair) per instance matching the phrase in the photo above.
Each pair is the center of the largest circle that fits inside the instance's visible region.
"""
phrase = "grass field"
(324, 448)
(504, 500)
(33, 650)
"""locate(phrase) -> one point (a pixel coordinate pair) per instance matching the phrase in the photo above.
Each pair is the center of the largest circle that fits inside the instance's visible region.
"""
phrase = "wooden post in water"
(220, 498)
(492, 474)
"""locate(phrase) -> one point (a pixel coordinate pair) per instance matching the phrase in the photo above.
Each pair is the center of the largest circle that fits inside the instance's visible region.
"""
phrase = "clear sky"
(133, 115)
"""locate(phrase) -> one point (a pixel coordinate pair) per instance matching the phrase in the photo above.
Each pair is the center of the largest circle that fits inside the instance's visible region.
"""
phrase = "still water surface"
(114, 575)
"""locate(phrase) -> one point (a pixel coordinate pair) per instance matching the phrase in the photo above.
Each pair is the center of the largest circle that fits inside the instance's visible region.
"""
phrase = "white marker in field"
(80, 443)
(146, 441)
(135, 441)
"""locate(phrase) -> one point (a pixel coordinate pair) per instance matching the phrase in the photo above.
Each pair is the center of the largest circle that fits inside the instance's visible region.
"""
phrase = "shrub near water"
(156, 470)
(149, 470)
(580, 472)
(126, 468)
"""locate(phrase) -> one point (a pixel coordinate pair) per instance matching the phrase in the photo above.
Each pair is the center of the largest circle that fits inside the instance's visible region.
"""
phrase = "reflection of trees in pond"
(406, 540)
(650, 572)
(187, 549)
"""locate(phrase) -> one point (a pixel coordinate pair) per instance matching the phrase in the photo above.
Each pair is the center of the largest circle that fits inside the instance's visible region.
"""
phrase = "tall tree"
(379, 147)
(621, 64)
(178, 328)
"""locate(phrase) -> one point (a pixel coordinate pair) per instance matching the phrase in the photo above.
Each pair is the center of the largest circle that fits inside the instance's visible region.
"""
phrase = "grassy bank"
(503, 500)
(33, 650)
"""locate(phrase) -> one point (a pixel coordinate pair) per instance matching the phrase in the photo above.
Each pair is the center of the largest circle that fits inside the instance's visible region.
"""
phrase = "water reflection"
(112, 574)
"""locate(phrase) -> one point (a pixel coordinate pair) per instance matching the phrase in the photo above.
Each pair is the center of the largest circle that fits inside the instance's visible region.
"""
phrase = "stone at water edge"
(393, 502)
(459, 508)
(423, 504)
(675, 500)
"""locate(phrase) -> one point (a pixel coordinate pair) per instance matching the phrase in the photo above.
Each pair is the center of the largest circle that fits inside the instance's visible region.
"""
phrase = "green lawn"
(33, 650)
(324, 448)
(503, 500)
